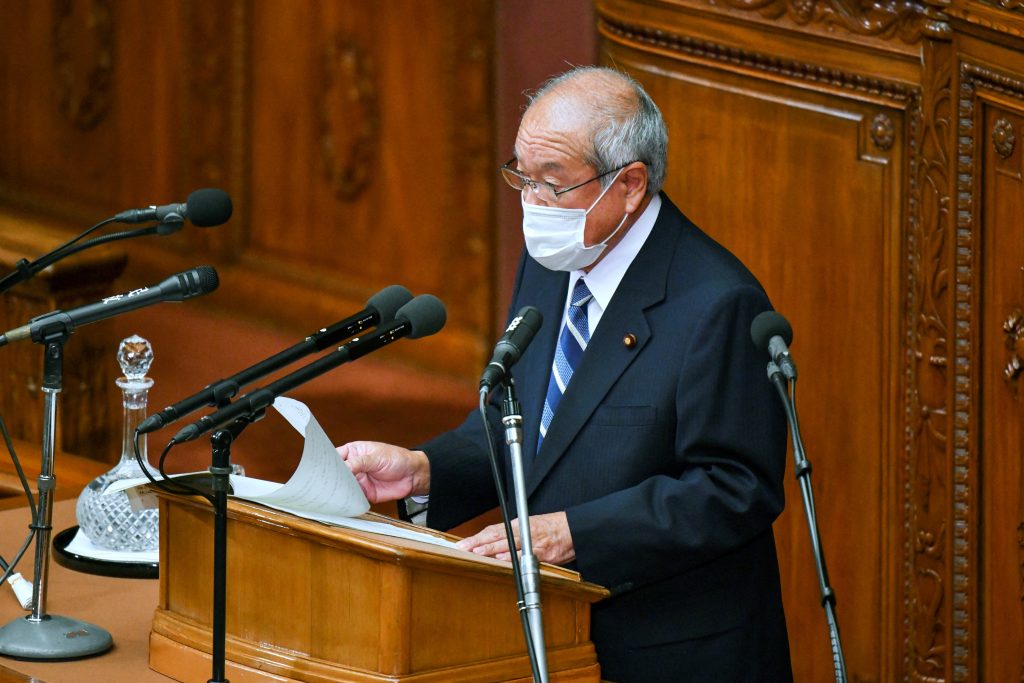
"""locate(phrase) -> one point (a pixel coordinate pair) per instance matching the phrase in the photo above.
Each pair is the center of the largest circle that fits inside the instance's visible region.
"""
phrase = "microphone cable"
(33, 527)
(166, 484)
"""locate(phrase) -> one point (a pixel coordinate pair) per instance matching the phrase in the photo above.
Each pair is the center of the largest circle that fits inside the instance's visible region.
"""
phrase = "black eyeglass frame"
(511, 175)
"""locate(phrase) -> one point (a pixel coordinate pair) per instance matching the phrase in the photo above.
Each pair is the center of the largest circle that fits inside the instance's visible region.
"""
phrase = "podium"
(316, 603)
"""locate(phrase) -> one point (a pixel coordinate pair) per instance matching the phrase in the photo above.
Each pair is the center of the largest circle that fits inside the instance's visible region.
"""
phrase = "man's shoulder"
(697, 258)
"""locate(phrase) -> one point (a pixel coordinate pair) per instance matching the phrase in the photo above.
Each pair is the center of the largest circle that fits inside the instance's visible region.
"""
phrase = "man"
(654, 446)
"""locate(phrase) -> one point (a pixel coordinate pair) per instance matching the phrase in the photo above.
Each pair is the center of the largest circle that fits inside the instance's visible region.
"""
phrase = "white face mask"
(554, 235)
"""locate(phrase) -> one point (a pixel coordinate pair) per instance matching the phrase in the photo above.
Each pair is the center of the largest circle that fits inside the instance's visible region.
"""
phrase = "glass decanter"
(108, 520)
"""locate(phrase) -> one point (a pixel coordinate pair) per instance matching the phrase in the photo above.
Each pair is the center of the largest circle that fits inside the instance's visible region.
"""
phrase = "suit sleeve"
(721, 487)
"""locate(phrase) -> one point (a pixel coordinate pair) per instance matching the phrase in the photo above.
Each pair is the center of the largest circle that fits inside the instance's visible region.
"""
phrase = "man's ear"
(635, 178)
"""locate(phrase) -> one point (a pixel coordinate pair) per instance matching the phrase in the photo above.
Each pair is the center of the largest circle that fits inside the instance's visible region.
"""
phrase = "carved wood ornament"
(889, 19)
(1003, 138)
(1012, 5)
(932, 363)
(1013, 328)
(898, 93)
(349, 118)
(883, 132)
(83, 60)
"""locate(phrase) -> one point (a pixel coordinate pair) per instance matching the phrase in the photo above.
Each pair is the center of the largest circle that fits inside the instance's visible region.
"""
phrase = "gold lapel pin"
(629, 341)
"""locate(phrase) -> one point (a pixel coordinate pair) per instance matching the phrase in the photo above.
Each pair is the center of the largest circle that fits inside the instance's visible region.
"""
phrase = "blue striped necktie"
(571, 343)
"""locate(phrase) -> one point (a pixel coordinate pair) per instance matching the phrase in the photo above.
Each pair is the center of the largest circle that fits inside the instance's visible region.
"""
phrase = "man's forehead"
(548, 145)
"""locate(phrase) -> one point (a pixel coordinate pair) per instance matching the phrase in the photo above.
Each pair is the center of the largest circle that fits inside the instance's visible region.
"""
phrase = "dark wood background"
(862, 159)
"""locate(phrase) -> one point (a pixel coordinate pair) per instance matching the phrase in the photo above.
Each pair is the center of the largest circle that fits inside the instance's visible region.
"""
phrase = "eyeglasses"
(546, 191)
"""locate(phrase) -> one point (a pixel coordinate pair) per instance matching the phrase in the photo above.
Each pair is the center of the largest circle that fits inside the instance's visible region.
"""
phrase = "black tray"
(89, 565)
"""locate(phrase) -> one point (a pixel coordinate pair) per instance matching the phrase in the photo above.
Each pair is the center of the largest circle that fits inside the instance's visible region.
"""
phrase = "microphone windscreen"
(767, 325)
(208, 207)
(387, 301)
(187, 284)
(207, 279)
(426, 315)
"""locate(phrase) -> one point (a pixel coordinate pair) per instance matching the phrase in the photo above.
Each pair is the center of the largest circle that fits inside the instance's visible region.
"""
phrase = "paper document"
(322, 488)
(322, 483)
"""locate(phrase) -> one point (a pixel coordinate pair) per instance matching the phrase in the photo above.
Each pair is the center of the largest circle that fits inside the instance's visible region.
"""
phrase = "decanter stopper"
(135, 355)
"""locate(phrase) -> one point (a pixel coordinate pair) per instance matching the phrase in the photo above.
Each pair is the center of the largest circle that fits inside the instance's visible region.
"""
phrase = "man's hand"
(549, 536)
(387, 472)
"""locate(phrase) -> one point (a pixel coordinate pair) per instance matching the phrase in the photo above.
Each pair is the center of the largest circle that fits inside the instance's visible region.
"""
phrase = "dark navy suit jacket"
(667, 455)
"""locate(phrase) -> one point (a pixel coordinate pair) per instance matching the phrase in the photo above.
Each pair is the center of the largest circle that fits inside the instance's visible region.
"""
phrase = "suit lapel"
(606, 357)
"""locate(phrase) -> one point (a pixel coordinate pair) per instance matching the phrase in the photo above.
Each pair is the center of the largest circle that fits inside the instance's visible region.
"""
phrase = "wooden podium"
(314, 603)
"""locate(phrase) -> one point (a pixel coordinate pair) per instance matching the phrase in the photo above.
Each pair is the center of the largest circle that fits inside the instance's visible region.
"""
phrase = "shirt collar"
(604, 278)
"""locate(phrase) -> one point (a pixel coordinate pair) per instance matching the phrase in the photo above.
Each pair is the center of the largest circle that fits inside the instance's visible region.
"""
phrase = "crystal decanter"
(108, 520)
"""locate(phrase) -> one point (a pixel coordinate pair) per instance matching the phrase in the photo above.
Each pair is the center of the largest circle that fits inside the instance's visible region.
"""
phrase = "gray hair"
(625, 128)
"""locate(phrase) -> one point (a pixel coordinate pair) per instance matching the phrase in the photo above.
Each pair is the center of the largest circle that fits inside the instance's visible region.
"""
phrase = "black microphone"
(200, 280)
(204, 208)
(423, 316)
(771, 333)
(510, 347)
(380, 308)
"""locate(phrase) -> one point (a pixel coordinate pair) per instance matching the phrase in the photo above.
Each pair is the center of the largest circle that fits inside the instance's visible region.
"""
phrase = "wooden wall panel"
(373, 159)
(356, 140)
(280, 103)
(990, 116)
(748, 163)
(865, 162)
(1001, 490)
(88, 106)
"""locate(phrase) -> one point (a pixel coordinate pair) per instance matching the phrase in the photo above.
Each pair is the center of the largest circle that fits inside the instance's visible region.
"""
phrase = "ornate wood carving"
(903, 19)
(936, 20)
(929, 371)
(883, 132)
(1013, 329)
(1003, 138)
(213, 131)
(963, 423)
(83, 60)
(1012, 5)
(349, 117)
(853, 83)
(473, 171)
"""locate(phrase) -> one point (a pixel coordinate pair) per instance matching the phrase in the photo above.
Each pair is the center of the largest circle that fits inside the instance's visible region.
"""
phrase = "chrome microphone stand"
(40, 635)
(512, 419)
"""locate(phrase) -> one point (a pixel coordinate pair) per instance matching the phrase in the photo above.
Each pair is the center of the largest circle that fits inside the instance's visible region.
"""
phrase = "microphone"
(423, 316)
(204, 208)
(184, 285)
(771, 332)
(380, 308)
(511, 346)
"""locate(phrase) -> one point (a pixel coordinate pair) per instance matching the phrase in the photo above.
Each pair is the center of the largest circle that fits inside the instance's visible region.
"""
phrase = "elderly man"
(654, 446)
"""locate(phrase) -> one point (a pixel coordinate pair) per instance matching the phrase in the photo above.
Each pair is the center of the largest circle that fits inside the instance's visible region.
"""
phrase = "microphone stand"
(529, 573)
(42, 636)
(802, 468)
(220, 471)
